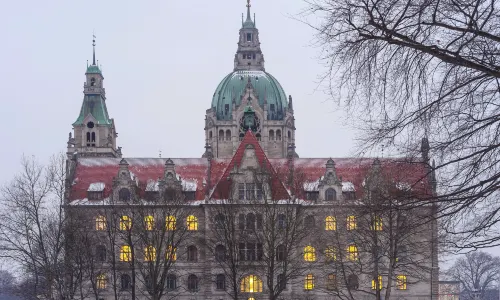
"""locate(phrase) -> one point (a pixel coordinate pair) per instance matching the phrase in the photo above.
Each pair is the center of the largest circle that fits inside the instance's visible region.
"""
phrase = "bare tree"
(477, 271)
(412, 69)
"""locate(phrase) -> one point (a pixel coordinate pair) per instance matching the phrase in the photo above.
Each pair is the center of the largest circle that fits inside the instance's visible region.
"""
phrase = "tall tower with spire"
(94, 132)
(249, 55)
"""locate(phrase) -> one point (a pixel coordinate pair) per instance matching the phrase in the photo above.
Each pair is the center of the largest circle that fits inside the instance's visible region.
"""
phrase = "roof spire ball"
(248, 22)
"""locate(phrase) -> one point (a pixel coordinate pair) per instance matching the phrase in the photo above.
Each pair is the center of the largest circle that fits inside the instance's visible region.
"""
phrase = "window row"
(353, 282)
(330, 253)
(330, 195)
(125, 195)
(171, 282)
(149, 223)
(250, 191)
(351, 223)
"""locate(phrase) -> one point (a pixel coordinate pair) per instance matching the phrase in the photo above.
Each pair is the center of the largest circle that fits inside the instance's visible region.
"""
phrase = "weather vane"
(248, 3)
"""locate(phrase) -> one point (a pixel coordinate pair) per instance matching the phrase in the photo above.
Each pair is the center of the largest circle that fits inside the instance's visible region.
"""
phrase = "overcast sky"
(161, 61)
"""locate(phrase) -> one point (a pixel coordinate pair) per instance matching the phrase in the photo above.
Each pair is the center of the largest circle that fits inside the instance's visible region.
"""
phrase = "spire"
(249, 19)
(93, 48)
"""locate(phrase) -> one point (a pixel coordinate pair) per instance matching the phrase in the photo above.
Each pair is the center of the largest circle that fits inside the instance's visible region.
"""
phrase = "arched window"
(271, 135)
(241, 221)
(309, 253)
(331, 282)
(352, 252)
(148, 282)
(220, 282)
(125, 281)
(250, 221)
(251, 284)
(125, 223)
(100, 252)
(228, 135)
(171, 253)
(289, 135)
(100, 223)
(278, 135)
(377, 283)
(352, 282)
(101, 281)
(170, 222)
(192, 283)
(125, 253)
(88, 137)
(210, 134)
(280, 253)
(378, 224)
(171, 282)
(192, 223)
(192, 253)
(219, 221)
(330, 254)
(93, 137)
(281, 279)
(124, 195)
(309, 282)
(149, 222)
(309, 221)
(281, 221)
(220, 253)
(92, 81)
(330, 223)
(351, 223)
(401, 282)
(149, 253)
(330, 194)
(221, 135)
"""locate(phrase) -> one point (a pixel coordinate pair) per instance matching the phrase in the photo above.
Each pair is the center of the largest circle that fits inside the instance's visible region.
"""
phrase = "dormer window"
(96, 191)
(330, 195)
(189, 195)
(249, 37)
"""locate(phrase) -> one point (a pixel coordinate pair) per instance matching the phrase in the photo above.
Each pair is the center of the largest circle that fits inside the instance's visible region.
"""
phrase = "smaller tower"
(249, 55)
(94, 132)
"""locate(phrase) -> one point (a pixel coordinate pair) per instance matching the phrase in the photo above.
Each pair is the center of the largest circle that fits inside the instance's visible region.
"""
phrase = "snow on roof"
(348, 186)
(152, 186)
(96, 187)
(311, 186)
(189, 186)
(403, 186)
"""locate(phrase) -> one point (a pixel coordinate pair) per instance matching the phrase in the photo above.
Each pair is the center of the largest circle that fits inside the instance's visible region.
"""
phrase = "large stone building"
(131, 207)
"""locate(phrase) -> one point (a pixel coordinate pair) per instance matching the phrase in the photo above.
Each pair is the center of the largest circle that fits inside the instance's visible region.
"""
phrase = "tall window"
(149, 253)
(331, 282)
(221, 135)
(250, 222)
(351, 223)
(401, 282)
(100, 253)
(281, 281)
(192, 283)
(330, 253)
(241, 191)
(219, 221)
(309, 282)
(250, 251)
(100, 223)
(352, 282)
(192, 253)
(278, 135)
(93, 137)
(220, 282)
(280, 253)
(171, 253)
(170, 222)
(101, 281)
(352, 252)
(220, 253)
(124, 195)
(251, 284)
(149, 222)
(241, 222)
(125, 253)
(377, 223)
(228, 135)
(281, 221)
(330, 195)
(309, 253)
(250, 191)
(271, 135)
(125, 223)
(171, 282)
(330, 223)
(125, 281)
(192, 223)
(377, 284)
(249, 37)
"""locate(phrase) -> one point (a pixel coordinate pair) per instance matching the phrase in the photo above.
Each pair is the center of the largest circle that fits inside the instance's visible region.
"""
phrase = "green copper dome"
(265, 86)
(93, 69)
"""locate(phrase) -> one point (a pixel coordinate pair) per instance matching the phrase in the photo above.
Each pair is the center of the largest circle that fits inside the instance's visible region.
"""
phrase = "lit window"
(352, 252)
(309, 282)
(192, 223)
(378, 224)
(330, 254)
(251, 284)
(150, 253)
(309, 253)
(125, 223)
(377, 284)
(149, 222)
(100, 223)
(125, 253)
(351, 223)
(171, 253)
(101, 281)
(330, 223)
(401, 282)
(170, 222)
(331, 282)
